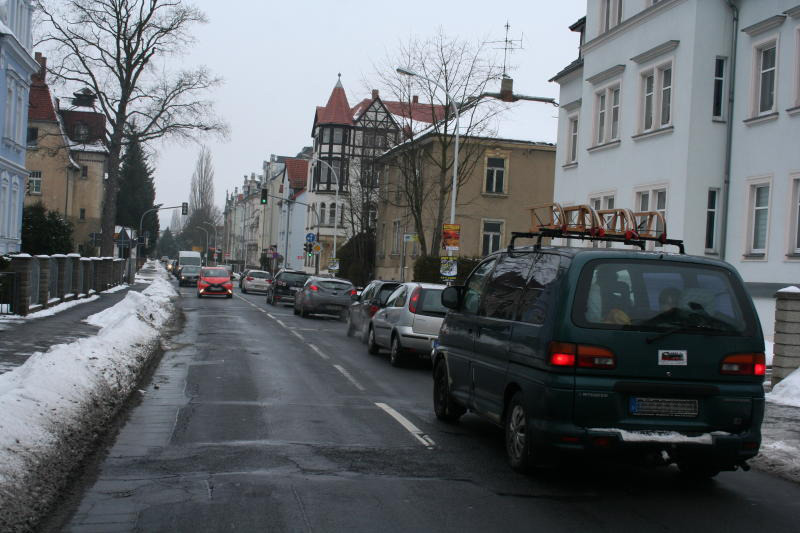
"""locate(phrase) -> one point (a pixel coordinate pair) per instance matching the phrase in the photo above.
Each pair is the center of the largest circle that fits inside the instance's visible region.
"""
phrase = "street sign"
(333, 264)
(410, 237)
(317, 248)
(451, 237)
(310, 237)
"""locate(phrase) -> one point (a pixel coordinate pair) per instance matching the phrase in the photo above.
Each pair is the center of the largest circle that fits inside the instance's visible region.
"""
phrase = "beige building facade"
(505, 180)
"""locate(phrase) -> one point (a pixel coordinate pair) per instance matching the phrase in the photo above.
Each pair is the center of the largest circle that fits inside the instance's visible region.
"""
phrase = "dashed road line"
(350, 378)
(319, 352)
(293, 332)
(410, 427)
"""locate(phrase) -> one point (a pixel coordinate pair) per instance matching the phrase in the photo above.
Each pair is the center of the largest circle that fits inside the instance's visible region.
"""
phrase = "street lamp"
(215, 240)
(408, 72)
(141, 220)
(206, 232)
(336, 202)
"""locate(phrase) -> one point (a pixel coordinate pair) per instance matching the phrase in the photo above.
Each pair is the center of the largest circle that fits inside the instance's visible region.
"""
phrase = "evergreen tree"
(137, 192)
(45, 232)
(167, 245)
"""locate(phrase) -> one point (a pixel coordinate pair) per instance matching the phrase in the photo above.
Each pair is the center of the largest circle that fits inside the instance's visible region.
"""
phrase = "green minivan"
(611, 352)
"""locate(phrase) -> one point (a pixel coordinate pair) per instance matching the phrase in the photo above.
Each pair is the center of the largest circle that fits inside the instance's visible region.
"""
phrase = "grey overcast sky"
(280, 59)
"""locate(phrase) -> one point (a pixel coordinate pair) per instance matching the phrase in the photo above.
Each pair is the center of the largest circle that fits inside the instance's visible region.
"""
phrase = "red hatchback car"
(214, 281)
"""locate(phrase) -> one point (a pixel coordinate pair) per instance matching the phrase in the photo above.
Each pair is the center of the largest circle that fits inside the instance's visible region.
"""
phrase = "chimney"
(40, 76)
(507, 89)
(374, 93)
(415, 99)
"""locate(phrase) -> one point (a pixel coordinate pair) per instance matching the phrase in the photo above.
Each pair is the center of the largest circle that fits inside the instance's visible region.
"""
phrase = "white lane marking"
(251, 304)
(280, 322)
(350, 378)
(271, 316)
(293, 332)
(320, 352)
(411, 428)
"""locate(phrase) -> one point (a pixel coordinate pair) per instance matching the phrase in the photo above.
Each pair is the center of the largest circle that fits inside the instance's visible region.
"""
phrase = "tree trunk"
(109, 216)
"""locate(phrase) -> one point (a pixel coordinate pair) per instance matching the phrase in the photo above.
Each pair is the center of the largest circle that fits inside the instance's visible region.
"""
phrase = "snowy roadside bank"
(53, 407)
(780, 447)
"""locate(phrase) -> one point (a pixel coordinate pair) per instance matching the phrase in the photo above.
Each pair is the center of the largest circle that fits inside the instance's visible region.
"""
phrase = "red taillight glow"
(249, 278)
(353, 292)
(412, 302)
(373, 309)
(581, 355)
(313, 288)
(744, 364)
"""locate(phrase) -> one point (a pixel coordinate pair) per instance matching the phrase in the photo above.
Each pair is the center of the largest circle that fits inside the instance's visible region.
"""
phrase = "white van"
(188, 257)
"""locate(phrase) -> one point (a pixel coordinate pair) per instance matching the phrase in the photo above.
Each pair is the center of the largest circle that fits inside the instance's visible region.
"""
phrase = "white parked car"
(408, 323)
(256, 281)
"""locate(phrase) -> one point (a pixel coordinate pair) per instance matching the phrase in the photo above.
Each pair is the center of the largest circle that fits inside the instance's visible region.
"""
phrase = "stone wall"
(786, 355)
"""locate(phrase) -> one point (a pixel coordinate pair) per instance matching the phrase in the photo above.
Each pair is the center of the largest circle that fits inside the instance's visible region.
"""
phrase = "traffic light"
(185, 208)
(309, 248)
(264, 196)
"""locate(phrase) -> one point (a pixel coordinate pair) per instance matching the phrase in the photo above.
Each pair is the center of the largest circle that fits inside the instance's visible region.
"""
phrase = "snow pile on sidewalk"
(53, 406)
(787, 392)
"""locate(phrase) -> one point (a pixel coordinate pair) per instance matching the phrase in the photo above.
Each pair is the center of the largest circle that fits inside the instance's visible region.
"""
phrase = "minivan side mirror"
(451, 297)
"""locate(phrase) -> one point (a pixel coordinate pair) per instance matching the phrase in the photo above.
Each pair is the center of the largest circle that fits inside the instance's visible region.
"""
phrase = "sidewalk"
(20, 338)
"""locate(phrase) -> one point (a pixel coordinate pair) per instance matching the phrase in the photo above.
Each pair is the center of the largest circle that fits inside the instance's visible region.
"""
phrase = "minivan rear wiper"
(683, 329)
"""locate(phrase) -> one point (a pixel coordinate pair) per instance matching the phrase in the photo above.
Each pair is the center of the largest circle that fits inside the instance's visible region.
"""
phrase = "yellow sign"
(451, 236)
(197, 248)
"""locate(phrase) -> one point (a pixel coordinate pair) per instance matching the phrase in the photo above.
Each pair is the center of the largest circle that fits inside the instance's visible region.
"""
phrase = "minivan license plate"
(668, 407)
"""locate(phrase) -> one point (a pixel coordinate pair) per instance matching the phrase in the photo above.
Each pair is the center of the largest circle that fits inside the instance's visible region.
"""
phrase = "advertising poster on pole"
(449, 268)
(451, 237)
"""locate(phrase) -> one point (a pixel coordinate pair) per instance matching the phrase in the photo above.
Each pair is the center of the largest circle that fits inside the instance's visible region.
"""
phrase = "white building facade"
(646, 122)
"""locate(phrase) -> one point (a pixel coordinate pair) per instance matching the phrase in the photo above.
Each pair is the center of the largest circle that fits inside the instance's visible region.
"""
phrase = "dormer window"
(81, 131)
(326, 134)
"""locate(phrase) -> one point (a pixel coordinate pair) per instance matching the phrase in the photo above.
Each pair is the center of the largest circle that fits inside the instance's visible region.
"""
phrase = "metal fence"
(34, 282)
(52, 289)
(68, 276)
(8, 292)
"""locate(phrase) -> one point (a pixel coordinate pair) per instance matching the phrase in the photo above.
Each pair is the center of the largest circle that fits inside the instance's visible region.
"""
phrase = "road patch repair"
(55, 406)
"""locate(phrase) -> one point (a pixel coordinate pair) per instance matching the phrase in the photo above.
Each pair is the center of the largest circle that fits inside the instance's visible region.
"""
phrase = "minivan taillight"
(414, 300)
(581, 355)
(744, 364)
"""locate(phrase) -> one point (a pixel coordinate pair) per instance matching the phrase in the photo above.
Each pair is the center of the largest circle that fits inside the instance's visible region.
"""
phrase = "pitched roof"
(337, 110)
(572, 67)
(297, 172)
(415, 111)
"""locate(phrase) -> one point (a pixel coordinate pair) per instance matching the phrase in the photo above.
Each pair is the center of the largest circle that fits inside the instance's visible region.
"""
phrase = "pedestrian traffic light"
(264, 196)
(185, 208)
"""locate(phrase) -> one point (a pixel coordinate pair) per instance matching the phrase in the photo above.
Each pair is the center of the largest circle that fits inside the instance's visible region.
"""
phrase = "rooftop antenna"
(508, 45)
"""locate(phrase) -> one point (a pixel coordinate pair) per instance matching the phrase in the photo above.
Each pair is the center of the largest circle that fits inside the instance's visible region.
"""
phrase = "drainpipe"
(726, 183)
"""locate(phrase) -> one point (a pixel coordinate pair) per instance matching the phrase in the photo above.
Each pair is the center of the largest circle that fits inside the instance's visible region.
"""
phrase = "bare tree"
(424, 160)
(202, 210)
(111, 47)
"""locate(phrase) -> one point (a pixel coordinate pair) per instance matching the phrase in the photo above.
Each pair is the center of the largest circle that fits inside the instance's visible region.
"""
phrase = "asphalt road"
(258, 420)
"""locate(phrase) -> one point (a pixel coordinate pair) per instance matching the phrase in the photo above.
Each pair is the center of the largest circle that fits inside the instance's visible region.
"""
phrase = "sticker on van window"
(672, 357)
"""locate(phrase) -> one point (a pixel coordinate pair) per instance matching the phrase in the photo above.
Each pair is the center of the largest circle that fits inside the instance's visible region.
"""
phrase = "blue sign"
(310, 237)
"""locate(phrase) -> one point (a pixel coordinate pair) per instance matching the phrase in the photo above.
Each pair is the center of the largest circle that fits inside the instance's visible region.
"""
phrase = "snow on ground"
(52, 405)
(50, 311)
(768, 348)
(787, 392)
(118, 288)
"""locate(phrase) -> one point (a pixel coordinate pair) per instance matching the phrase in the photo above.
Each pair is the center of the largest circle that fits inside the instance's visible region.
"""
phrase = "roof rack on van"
(606, 225)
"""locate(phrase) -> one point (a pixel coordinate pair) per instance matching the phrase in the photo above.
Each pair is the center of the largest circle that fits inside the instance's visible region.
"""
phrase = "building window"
(607, 123)
(82, 215)
(332, 215)
(611, 14)
(84, 171)
(765, 84)
(338, 135)
(656, 98)
(33, 137)
(759, 218)
(492, 235)
(795, 248)
(321, 220)
(649, 201)
(719, 88)
(602, 202)
(711, 220)
(572, 141)
(81, 131)
(35, 182)
(326, 134)
(397, 237)
(495, 175)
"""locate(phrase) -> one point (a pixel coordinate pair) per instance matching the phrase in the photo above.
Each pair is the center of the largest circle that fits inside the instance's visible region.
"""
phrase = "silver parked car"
(256, 280)
(324, 295)
(409, 322)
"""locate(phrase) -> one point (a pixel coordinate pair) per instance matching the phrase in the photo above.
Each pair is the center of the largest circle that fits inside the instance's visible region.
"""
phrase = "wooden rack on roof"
(607, 225)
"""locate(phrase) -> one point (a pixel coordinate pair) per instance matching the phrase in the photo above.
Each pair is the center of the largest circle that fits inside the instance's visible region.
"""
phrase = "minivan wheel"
(445, 408)
(396, 354)
(518, 442)
(372, 346)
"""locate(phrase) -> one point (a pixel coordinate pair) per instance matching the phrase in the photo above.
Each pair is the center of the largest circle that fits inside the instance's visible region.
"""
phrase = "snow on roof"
(91, 147)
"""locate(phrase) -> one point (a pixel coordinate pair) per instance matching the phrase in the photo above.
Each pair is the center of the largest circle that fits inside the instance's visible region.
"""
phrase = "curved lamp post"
(204, 230)
(141, 220)
(409, 72)
(215, 241)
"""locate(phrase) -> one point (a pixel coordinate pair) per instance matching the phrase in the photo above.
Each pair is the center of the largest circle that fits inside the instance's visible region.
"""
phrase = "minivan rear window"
(651, 295)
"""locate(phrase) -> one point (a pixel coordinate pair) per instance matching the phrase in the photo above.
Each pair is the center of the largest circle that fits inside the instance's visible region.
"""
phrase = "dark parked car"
(606, 351)
(188, 275)
(372, 298)
(285, 285)
(324, 295)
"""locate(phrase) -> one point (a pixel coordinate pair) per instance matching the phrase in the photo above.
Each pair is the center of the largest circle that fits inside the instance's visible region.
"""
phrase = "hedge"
(426, 269)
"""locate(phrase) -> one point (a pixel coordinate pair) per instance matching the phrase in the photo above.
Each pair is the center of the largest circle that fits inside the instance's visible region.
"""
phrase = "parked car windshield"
(336, 285)
(657, 295)
(215, 273)
(259, 274)
(294, 277)
(431, 302)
